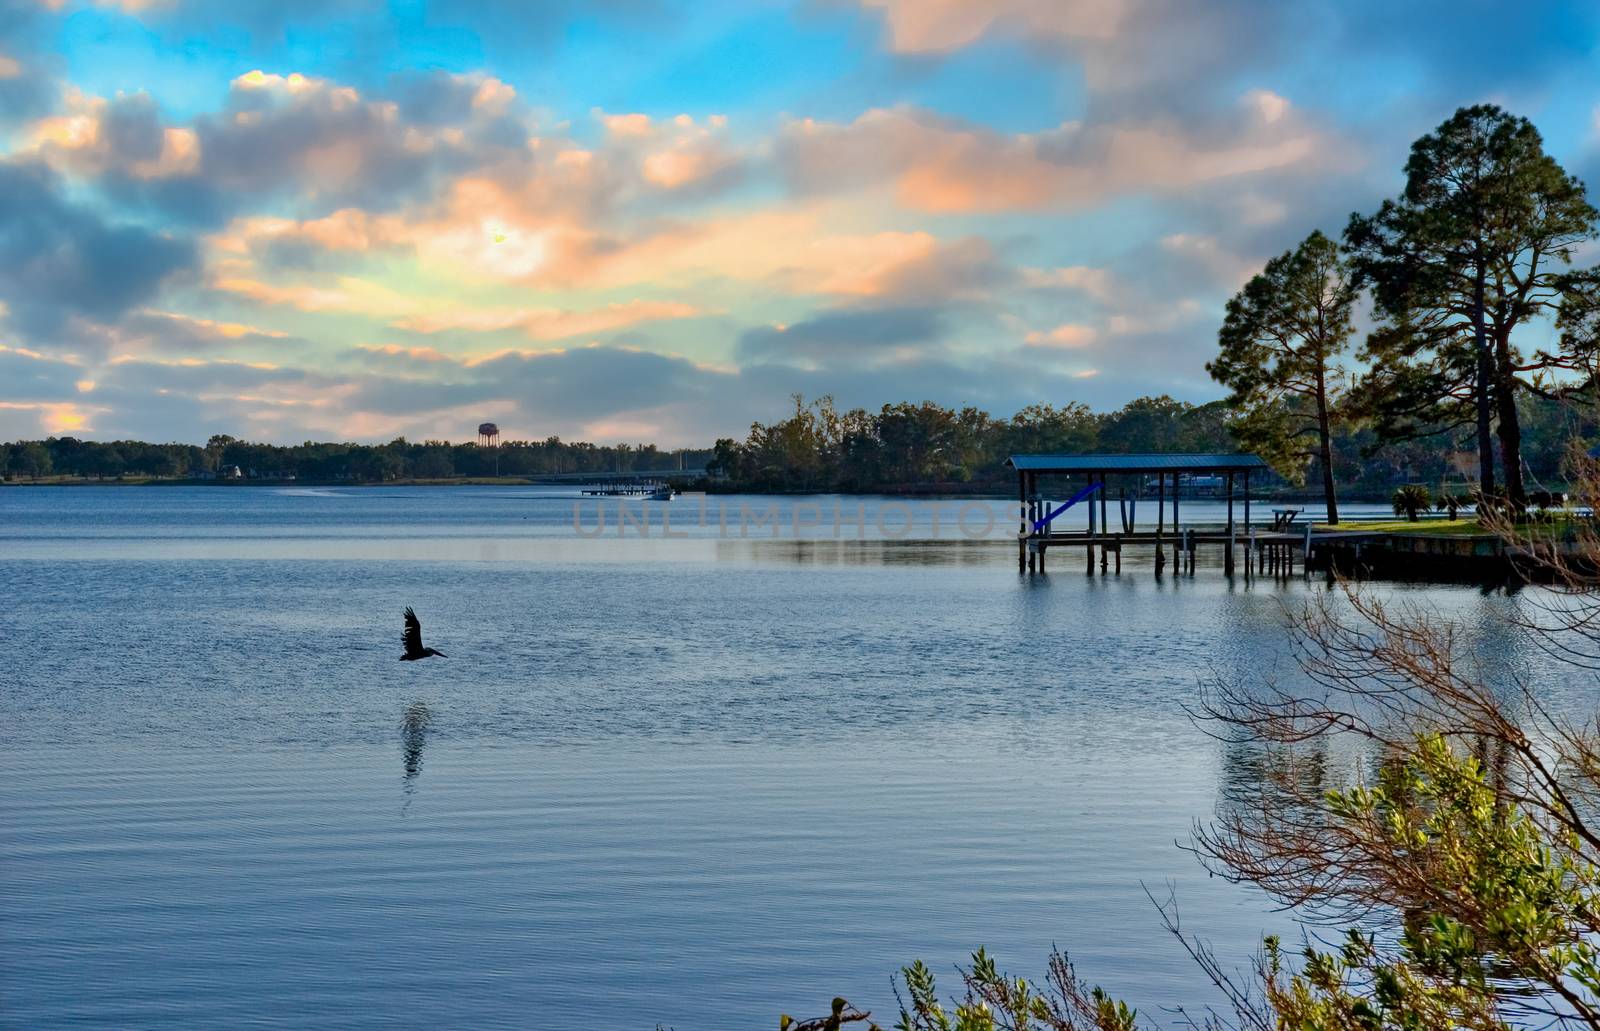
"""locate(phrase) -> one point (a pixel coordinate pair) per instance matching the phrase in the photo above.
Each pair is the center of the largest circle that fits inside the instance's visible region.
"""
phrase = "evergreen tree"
(1281, 348)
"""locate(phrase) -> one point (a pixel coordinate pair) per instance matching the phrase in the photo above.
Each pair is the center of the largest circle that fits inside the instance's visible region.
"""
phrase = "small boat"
(662, 492)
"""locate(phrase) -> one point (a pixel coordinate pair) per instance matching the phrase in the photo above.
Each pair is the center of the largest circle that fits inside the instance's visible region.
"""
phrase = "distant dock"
(652, 489)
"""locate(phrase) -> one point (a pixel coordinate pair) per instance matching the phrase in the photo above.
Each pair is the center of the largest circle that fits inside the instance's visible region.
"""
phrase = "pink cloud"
(939, 165)
(1066, 336)
(937, 26)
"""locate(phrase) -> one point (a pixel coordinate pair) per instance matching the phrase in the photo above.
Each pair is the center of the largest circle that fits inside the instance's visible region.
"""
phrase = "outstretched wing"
(412, 638)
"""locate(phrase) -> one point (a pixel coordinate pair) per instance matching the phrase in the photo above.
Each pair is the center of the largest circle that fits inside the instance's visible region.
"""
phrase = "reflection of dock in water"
(652, 489)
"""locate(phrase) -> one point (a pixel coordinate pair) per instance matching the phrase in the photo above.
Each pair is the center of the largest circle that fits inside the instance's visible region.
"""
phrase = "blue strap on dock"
(1085, 492)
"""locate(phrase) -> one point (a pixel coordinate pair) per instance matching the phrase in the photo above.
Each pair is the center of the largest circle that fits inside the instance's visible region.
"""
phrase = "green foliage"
(1476, 247)
(819, 448)
(1451, 502)
(1506, 911)
(996, 1001)
(1282, 346)
(1411, 499)
(433, 459)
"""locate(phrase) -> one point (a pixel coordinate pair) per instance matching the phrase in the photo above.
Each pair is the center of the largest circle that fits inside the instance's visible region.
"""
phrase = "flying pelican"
(412, 639)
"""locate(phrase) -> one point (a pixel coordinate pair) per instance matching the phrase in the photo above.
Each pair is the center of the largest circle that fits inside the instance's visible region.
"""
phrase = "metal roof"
(1135, 463)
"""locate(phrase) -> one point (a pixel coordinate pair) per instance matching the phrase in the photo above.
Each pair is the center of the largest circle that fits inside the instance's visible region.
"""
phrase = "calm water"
(691, 781)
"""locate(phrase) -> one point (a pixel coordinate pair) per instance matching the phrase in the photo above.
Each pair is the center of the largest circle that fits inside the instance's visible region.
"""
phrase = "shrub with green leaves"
(1411, 499)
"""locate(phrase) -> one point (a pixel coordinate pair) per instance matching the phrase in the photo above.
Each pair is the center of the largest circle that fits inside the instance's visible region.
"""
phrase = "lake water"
(696, 781)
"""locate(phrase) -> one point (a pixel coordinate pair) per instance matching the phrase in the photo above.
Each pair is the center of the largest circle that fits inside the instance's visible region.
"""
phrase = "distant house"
(230, 472)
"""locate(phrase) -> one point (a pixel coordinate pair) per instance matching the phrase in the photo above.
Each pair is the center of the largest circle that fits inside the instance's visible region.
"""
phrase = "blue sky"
(642, 220)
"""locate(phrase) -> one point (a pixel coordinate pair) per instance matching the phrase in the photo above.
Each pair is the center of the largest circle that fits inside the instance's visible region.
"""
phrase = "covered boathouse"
(1036, 534)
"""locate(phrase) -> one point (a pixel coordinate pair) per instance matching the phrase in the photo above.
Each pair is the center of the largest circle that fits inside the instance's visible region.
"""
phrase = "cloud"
(198, 376)
(1208, 254)
(676, 154)
(939, 26)
(1067, 335)
(59, 260)
(26, 90)
(938, 164)
(563, 387)
(148, 331)
(548, 323)
(869, 335)
(33, 377)
(1097, 283)
(310, 140)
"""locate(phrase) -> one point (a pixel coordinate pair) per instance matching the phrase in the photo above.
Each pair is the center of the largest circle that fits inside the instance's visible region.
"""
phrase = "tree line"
(1470, 260)
(818, 448)
(328, 462)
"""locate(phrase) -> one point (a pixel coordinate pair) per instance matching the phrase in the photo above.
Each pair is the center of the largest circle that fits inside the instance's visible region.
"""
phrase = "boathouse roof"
(1136, 463)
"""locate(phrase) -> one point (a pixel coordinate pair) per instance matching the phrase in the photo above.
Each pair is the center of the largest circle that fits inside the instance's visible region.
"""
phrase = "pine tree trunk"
(1481, 388)
(1325, 441)
(1510, 427)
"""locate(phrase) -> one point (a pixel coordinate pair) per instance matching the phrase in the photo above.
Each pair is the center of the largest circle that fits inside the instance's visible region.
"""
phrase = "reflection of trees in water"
(1272, 813)
(1253, 773)
(413, 736)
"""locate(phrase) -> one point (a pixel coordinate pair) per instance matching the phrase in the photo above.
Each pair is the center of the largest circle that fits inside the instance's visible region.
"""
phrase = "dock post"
(1119, 555)
(1227, 558)
(1033, 515)
(1105, 522)
(1161, 519)
(1089, 569)
(1023, 529)
(1177, 532)
(1175, 512)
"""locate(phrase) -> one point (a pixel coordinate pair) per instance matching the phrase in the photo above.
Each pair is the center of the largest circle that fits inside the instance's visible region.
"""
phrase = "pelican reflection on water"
(413, 736)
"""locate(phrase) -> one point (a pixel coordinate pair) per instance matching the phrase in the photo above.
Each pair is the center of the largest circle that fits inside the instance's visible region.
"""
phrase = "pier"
(1280, 547)
(1273, 549)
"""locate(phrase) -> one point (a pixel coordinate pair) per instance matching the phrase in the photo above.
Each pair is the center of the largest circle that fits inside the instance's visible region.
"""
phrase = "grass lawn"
(1558, 526)
(1453, 527)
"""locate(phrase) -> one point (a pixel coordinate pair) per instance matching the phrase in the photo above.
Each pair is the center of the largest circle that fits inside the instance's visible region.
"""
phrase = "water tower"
(489, 436)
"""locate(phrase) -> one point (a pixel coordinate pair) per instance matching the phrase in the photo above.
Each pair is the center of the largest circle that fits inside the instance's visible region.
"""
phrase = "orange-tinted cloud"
(940, 165)
(937, 26)
(549, 323)
(1067, 335)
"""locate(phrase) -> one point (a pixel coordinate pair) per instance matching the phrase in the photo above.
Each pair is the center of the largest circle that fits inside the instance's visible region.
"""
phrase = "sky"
(652, 221)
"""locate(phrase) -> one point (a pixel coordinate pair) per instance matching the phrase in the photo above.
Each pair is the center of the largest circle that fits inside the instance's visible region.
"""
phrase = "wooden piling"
(1089, 568)
(1227, 559)
(1025, 528)
(1161, 517)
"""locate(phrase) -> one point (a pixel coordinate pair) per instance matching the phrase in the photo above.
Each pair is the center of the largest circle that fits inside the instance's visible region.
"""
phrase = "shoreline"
(1375, 496)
